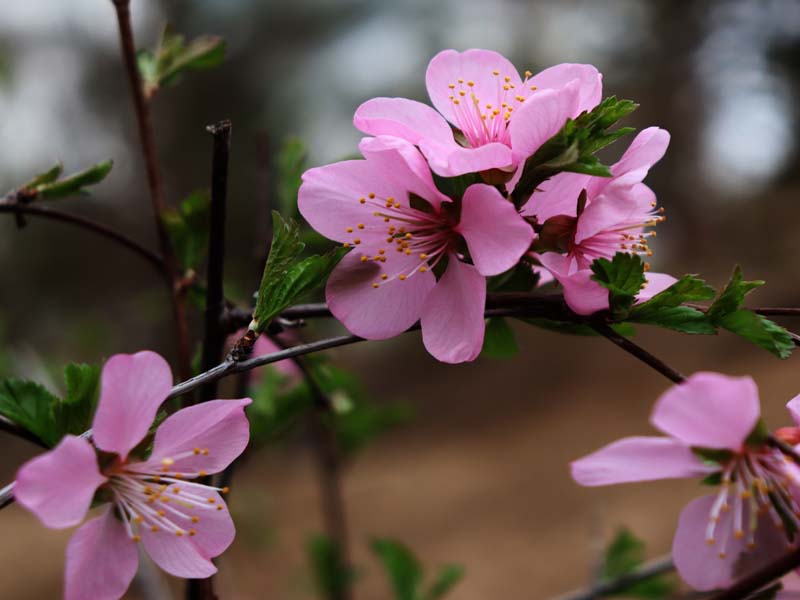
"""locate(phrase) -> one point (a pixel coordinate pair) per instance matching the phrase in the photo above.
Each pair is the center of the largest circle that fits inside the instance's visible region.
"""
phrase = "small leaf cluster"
(31, 406)
(406, 575)
(50, 184)
(624, 555)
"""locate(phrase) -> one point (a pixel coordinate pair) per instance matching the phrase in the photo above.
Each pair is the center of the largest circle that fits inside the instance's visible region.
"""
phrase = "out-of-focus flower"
(402, 228)
(501, 118)
(713, 423)
(181, 524)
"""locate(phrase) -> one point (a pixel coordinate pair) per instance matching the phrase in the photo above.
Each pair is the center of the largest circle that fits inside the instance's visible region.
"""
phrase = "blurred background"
(479, 476)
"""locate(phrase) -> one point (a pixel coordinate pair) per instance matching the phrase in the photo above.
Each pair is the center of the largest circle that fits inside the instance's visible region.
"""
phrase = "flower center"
(410, 232)
(163, 500)
(485, 120)
(754, 484)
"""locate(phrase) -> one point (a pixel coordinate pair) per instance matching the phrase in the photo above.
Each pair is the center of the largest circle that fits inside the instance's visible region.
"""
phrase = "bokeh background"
(479, 477)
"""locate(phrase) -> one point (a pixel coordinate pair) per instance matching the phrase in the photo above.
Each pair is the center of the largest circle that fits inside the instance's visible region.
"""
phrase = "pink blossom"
(502, 118)
(387, 282)
(724, 536)
(613, 218)
(180, 523)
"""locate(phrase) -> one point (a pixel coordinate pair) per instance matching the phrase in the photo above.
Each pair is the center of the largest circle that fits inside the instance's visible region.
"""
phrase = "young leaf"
(30, 405)
(623, 556)
(291, 162)
(75, 412)
(727, 312)
(623, 276)
(174, 55)
(48, 185)
(499, 340)
(331, 577)
(665, 310)
(402, 567)
(448, 577)
(286, 278)
(45, 177)
(187, 227)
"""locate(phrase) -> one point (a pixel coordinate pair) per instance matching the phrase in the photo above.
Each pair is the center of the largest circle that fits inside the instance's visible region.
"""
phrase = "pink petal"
(215, 529)
(541, 117)
(699, 563)
(132, 388)
(794, 409)
(399, 117)
(645, 150)
(329, 199)
(451, 160)
(603, 213)
(582, 294)
(452, 317)
(219, 426)
(477, 66)
(177, 556)
(556, 196)
(637, 459)
(101, 560)
(709, 410)
(58, 486)
(590, 83)
(495, 233)
(383, 312)
(655, 284)
(401, 163)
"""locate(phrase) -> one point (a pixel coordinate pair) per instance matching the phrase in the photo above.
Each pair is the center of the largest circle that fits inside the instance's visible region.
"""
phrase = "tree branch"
(147, 143)
(657, 566)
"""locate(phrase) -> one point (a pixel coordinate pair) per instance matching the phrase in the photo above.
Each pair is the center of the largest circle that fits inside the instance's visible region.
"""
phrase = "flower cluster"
(148, 496)
(419, 254)
(714, 431)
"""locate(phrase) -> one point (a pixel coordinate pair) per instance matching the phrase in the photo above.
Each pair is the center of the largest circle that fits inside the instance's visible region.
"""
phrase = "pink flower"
(616, 212)
(502, 118)
(401, 227)
(180, 523)
(751, 520)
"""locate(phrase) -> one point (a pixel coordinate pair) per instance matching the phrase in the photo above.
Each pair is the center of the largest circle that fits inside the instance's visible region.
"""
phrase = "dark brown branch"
(147, 143)
(9, 426)
(657, 566)
(16, 208)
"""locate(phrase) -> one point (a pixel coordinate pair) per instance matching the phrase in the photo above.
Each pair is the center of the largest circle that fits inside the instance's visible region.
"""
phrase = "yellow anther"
(397, 205)
(154, 528)
(212, 500)
(138, 519)
(202, 473)
(375, 285)
(408, 252)
(348, 230)
(520, 98)
(356, 241)
(506, 87)
(381, 251)
(205, 451)
(528, 74)
(345, 245)
(460, 80)
(507, 79)
(225, 490)
(360, 226)
(722, 555)
(371, 195)
(710, 541)
(456, 101)
(179, 533)
(364, 259)
(384, 277)
(386, 219)
(495, 72)
(192, 532)
(409, 235)
(738, 534)
(462, 93)
(423, 269)
(488, 107)
(136, 538)
(401, 277)
(161, 513)
(362, 200)
(167, 462)
(533, 88)
(176, 490)
(451, 85)
(148, 490)
(178, 475)
(195, 519)
(164, 499)
(423, 256)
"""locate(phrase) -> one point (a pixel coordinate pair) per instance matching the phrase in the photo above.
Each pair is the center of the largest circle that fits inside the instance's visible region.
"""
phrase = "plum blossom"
(595, 217)
(401, 228)
(501, 118)
(710, 421)
(181, 524)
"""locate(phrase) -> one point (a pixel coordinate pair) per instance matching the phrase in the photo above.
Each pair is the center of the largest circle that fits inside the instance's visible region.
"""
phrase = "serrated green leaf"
(665, 310)
(30, 405)
(402, 567)
(499, 340)
(75, 412)
(187, 227)
(731, 298)
(332, 578)
(286, 278)
(623, 277)
(291, 163)
(73, 184)
(448, 577)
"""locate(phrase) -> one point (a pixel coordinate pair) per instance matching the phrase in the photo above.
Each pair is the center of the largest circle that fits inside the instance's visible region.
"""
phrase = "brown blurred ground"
(480, 476)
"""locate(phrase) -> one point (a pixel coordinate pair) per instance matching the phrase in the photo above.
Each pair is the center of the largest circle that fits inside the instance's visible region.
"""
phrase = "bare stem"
(657, 566)
(147, 143)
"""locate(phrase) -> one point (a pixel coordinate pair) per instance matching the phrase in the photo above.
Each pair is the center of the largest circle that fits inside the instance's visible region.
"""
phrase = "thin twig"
(9, 426)
(7, 206)
(652, 568)
(147, 142)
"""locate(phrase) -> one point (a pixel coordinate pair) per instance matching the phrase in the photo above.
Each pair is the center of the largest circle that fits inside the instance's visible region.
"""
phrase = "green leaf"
(727, 312)
(286, 278)
(665, 310)
(173, 56)
(573, 147)
(623, 556)
(570, 328)
(456, 186)
(332, 578)
(402, 567)
(75, 412)
(291, 163)
(187, 227)
(448, 577)
(47, 185)
(499, 340)
(31, 406)
(623, 277)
